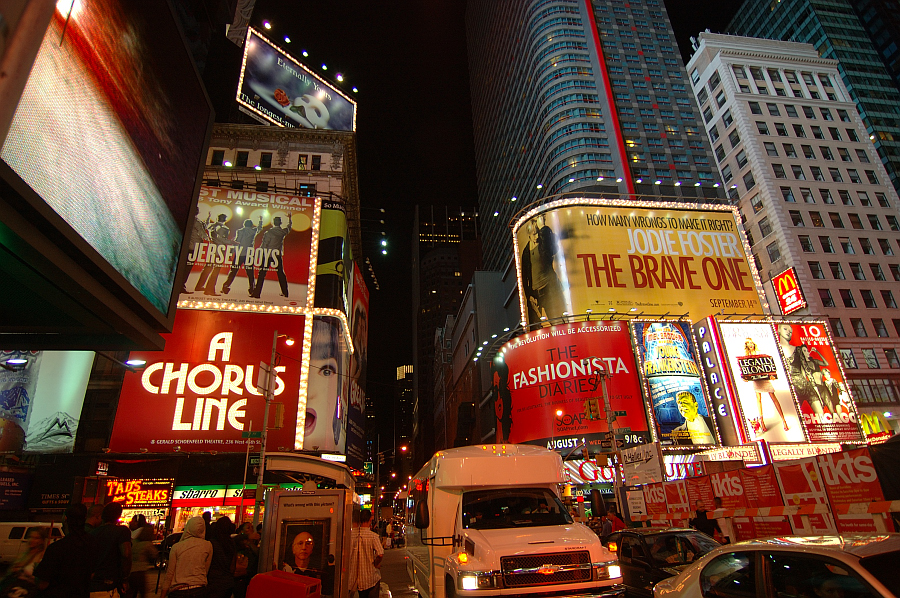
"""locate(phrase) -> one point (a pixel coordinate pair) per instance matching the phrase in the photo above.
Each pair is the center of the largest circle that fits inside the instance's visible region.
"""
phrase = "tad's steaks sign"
(200, 394)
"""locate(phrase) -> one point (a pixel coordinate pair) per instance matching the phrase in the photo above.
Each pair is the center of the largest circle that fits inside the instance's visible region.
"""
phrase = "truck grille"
(546, 569)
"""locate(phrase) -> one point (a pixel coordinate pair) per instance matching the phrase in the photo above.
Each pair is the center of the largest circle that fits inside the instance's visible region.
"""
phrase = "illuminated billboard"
(250, 250)
(40, 404)
(334, 259)
(275, 87)
(787, 289)
(200, 394)
(670, 371)
(766, 405)
(107, 143)
(359, 332)
(828, 411)
(542, 380)
(580, 255)
(327, 387)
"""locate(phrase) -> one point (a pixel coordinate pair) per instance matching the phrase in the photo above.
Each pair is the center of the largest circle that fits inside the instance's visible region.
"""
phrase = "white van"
(488, 521)
(14, 537)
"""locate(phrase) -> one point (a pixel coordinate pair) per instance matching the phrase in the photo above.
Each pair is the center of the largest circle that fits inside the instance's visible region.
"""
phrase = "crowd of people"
(100, 558)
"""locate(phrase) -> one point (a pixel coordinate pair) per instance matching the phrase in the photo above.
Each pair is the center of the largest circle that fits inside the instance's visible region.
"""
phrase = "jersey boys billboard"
(200, 394)
(248, 248)
(576, 255)
(542, 379)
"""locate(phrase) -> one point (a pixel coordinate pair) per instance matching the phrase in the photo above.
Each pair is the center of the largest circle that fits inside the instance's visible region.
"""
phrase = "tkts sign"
(790, 296)
(199, 394)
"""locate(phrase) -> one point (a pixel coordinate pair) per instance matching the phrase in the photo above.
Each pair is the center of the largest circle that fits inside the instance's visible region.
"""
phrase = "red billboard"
(543, 381)
(199, 394)
(826, 408)
(788, 291)
(801, 484)
(359, 333)
(849, 478)
(249, 249)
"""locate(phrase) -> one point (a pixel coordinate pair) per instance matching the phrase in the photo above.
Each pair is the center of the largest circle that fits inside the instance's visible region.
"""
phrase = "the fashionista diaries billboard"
(654, 257)
(542, 379)
(278, 89)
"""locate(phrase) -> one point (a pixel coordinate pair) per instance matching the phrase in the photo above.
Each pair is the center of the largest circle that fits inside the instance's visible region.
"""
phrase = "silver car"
(848, 566)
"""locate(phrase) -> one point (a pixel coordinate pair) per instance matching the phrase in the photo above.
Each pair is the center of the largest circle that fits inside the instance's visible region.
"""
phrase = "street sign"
(607, 444)
(368, 467)
(257, 434)
(620, 443)
(262, 378)
(621, 430)
(620, 413)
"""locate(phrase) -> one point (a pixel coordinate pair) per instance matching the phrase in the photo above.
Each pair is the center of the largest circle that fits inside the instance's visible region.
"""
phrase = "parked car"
(849, 566)
(14, 538)
(647, 555)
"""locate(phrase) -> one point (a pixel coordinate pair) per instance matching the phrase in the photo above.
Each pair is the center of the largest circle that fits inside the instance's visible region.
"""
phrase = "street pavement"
(393, 572)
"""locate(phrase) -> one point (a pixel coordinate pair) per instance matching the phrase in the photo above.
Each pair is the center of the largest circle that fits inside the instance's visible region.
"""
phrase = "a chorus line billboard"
(200, 394)
(542, 379)
(674, 385)
(277, 88)
(250, 248)
(658, 258)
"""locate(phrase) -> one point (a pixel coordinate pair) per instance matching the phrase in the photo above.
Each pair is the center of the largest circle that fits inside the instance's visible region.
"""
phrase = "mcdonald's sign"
(790, 296)
(875, 427)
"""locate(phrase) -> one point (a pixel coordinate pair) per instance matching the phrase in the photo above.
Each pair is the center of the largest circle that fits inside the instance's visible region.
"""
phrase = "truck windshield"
(512, 507)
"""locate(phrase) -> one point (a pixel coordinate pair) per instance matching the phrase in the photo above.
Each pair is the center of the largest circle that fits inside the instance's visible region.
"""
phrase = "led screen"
(109, 132)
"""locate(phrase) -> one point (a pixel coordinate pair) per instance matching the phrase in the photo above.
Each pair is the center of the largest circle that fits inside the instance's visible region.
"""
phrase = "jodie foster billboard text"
(574, 257)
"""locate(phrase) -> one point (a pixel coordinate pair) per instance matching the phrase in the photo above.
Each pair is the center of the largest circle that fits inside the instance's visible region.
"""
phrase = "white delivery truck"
(487, 521)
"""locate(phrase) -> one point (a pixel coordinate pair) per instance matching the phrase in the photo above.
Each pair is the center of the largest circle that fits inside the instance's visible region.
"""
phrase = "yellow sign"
(580, 255)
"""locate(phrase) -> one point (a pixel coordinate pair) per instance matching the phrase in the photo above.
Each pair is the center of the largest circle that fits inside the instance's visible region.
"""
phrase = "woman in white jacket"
(188, 563)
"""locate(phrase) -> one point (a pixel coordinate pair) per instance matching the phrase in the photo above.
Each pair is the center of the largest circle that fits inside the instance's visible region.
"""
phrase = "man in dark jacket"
(65, 570)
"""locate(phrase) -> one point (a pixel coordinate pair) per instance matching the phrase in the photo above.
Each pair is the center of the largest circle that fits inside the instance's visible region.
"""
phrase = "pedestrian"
(189, 562)
(365, 558)
(112, 556)
(221, 569)
(615, 520)
(702, 523)
(605, 528)
(65, 570)
(19, 579)
(246, 563)
(207, 521)
(143, 558)
(94, 518)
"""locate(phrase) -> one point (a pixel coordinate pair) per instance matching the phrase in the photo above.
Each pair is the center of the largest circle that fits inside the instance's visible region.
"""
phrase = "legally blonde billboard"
(577, 255)
(668, 365)
(542, 379)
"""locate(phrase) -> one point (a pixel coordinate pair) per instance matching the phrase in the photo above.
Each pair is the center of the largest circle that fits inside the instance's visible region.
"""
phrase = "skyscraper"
(834, 29)
(586, 95)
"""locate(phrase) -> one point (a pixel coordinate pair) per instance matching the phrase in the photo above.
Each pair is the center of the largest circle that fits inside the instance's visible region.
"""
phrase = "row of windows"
(573, 161)
(838, 222)
(848, 299)
(870, 357)
(242, 160)
(581, 142)
(856, 269)
(817, 175)
(809, 154)
(787, 193)
(877, 390)
(791, 111)
(800, 132)
(846, 245)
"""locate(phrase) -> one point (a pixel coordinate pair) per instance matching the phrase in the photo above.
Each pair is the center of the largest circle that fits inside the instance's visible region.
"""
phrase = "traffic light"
(592, 409)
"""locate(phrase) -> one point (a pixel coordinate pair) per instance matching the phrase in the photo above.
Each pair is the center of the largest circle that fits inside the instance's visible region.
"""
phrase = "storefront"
(151, 498)
(233, 501)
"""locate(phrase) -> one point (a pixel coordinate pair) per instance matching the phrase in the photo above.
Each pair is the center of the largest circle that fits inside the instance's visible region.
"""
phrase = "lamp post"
(378, 456)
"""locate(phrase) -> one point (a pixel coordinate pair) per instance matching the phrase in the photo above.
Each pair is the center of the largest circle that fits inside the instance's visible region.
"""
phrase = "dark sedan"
(648, 555)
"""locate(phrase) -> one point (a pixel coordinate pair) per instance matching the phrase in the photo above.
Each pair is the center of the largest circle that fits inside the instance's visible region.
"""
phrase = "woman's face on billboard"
(322, 394)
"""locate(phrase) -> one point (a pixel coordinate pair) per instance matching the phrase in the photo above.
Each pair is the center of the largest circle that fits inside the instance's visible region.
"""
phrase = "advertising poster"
(850, 478)
(700, 493)
(764, 393)
(677, 496)
(335, 262)
(801, 484)
(328, 384)
(359, 332)
(542, 380)
(728, 486)
(40, 405)
(13, 490)
(672, 377)
(761, 489)
(655, 258)
(130, 134)
(249, 248)
(655, 499)
(642, 464)
(200, 394)
(788, 291)
(280, 90)
(829, 413)
(721, 395)
(875, 427)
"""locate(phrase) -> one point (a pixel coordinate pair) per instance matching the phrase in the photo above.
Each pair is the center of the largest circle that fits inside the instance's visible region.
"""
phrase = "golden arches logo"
(874, 423)
(786, 282)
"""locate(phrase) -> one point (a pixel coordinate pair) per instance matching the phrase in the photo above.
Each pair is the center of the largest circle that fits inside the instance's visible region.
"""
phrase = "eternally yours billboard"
(766, 404)
(674, 385)
(828, 412)
(200, 393)
(556, 369)
(653, 257)
(249, 248)
(280, 90)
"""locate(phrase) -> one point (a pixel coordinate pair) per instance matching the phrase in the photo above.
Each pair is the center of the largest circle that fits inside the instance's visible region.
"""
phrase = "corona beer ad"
(576, 256)
(547, 385)
(670, 371)
(787, 289)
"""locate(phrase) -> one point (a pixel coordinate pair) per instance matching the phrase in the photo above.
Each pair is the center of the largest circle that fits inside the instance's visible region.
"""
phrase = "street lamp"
(269, 395)
(378, 457)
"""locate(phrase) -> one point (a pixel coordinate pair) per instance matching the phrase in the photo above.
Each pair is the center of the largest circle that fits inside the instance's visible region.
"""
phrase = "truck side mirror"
(598, 507)
(421, 521)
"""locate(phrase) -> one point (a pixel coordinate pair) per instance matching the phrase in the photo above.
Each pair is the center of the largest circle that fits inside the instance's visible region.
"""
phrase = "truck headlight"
(470, 580)
(609, 570)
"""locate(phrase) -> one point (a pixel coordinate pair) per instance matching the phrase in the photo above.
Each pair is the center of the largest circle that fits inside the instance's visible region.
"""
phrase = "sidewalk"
(393, 572)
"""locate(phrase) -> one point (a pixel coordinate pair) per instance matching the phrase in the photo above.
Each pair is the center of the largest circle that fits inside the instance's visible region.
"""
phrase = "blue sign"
(280, 90)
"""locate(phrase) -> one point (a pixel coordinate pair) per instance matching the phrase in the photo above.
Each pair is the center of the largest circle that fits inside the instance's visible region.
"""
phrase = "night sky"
(408, 60)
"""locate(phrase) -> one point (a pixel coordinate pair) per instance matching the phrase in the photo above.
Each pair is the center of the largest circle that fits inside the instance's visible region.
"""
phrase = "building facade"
(586, 95)
(836, 32)
(794, 152)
